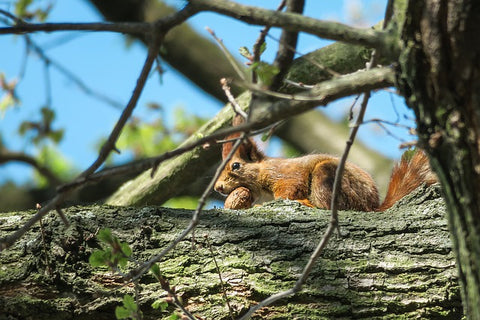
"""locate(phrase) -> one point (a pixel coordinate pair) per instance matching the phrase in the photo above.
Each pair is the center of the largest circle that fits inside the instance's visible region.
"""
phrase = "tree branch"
(8, 156)
(163, 25)
(297, 22)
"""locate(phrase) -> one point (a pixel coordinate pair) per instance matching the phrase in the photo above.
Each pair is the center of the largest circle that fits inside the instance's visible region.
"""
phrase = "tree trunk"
(390, 265)
(440, 78)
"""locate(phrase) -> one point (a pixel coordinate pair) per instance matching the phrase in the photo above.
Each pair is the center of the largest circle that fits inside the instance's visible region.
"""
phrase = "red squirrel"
(251, 177)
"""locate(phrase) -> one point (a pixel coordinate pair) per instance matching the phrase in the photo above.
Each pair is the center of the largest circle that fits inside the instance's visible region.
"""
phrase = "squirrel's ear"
(227, 146)
(249, 151)
(237, 120)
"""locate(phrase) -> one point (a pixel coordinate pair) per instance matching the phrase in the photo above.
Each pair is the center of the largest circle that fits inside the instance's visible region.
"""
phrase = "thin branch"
(236, 107)
(321, 93)
(228, 55)
(123, 27)
(109, 145)
(71, 76)
(222, 284)
(10, 156)
(296, 22)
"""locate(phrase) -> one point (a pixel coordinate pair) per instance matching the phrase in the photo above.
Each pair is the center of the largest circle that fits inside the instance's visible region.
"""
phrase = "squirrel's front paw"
(240, 198)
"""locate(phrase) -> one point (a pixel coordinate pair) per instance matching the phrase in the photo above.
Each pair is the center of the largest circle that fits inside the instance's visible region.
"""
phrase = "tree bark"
(385, 265)
(440, 78)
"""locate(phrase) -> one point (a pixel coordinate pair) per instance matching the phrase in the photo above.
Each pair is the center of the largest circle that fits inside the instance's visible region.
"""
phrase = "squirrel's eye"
(235, 166)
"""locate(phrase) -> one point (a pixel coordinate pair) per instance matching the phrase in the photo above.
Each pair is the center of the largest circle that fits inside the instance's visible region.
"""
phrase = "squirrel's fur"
(309, 179)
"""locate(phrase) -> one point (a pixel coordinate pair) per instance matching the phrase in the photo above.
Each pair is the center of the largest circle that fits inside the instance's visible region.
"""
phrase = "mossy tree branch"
(400, 266)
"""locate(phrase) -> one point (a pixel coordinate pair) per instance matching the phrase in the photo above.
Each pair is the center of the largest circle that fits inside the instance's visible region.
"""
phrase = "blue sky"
(104, 62)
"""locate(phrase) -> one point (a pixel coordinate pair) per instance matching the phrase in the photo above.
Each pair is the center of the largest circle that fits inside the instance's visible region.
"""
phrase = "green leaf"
(122, 262)
(263, 47)
(121, 313)
(47, 114)
(56, 135)
(6, 102)
(21, 7)
(127, 251)
(244, 52)
(105, 235)
(41, 14)
(174, 316)
(155, 269)
(160, 304)
(129, 303)
(24, 127)
(266, 72)
(98, 258)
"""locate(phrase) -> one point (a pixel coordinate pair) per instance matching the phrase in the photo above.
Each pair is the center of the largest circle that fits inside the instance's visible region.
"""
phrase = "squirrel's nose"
(219, 188)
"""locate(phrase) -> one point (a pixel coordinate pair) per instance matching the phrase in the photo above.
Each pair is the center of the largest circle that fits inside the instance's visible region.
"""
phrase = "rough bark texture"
(440, 78)
(386, 265)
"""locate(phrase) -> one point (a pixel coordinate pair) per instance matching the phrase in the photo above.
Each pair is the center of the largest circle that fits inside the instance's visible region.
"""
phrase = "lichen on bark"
(396, 263)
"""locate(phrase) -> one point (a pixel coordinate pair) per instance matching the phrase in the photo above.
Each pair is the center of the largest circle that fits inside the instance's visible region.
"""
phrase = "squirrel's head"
(242, 169)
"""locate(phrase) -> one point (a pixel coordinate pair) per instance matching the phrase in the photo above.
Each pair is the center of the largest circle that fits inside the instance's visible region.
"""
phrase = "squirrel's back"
(407, 175)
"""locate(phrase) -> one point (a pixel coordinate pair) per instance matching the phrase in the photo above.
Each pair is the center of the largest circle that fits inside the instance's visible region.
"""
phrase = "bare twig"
(172, 294)
(228, 55)
(63, 217)
(109, 145)
(377, 78)
(298, 84)
(124, 27)
(236, 107)
(71, 76)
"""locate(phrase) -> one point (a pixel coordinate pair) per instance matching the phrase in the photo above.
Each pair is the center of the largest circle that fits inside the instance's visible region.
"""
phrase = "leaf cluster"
(114, 254)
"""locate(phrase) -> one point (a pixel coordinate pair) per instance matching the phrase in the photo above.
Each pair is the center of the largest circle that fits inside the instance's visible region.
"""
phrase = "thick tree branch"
(398, 264)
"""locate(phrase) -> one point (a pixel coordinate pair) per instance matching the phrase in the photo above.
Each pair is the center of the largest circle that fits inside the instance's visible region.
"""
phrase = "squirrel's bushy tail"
(406, 176)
